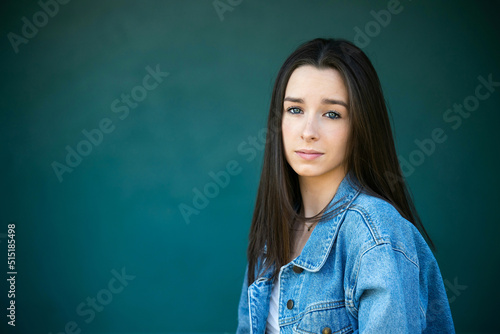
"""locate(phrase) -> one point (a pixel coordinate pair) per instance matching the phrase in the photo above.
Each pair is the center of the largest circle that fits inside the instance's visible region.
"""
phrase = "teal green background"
(119, 208)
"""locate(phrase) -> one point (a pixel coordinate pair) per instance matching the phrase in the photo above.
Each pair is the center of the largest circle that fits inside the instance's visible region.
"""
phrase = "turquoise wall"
(131, 141)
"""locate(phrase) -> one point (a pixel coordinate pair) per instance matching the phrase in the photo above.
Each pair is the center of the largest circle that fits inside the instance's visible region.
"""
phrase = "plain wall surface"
(119, 208)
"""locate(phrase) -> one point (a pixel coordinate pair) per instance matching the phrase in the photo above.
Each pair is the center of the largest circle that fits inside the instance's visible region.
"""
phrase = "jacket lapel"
(319, 245)
(312, 257)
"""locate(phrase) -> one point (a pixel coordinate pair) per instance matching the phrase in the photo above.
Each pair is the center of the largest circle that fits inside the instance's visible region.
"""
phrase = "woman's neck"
(317, 192)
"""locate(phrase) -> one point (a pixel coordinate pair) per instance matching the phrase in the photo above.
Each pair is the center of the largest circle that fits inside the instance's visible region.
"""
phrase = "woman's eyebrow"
(324, 101)
(332, 101)
(293, 99)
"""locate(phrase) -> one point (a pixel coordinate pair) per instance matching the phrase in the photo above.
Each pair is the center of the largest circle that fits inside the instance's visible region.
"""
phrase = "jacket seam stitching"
(350, 303)
(368, 221)
(320, 306)
(351, 297)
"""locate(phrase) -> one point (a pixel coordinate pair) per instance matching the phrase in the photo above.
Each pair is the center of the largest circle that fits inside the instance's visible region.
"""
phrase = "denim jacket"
(364, 270)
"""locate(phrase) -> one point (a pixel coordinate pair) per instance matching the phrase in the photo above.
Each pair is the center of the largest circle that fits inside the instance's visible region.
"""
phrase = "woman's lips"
(308, 154)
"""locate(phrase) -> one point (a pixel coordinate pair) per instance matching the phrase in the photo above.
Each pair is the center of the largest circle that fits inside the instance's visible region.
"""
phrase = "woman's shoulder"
(376, 210)
(371, 221)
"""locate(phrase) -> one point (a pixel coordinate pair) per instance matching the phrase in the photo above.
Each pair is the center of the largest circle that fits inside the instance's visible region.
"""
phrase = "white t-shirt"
(272, 326)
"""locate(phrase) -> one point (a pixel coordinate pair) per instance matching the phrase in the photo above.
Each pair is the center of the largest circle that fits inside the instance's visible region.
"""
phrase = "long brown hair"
(371, 155)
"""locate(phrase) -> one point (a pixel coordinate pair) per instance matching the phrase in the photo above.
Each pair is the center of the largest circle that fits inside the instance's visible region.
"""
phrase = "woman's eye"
(332, 114)
(294, 110)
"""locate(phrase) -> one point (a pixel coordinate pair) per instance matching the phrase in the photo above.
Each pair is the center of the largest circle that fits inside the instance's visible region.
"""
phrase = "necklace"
(310, 226)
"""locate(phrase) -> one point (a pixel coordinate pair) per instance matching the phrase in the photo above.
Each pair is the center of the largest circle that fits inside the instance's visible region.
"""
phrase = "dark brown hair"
(371, 155)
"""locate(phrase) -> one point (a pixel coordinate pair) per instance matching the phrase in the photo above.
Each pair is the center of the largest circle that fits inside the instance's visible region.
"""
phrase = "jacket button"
(297, 269)
(326, 330)
(289, 304)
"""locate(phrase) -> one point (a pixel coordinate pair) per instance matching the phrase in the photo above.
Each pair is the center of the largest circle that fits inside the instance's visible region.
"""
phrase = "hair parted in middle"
(370, 156)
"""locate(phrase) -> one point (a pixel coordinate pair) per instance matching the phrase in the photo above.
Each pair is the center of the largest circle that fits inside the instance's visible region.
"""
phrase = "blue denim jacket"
(365, 270)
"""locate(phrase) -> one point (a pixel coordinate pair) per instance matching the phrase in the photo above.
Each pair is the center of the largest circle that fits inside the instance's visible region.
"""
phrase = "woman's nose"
(310, 129)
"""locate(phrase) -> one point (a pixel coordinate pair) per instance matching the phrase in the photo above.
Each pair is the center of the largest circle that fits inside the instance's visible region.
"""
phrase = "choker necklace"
(309, 228)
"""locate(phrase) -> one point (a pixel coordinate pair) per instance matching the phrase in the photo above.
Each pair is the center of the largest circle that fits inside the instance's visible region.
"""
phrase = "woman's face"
(315, 123)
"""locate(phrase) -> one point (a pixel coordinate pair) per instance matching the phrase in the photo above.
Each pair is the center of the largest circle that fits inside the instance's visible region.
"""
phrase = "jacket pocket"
(325, 318)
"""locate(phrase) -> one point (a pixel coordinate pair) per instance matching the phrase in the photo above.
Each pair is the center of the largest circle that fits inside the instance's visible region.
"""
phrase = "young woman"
(335, 244)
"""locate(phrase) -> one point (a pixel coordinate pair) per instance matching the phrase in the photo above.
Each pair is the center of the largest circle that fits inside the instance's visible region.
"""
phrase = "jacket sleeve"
(243, 311)
(392, 292)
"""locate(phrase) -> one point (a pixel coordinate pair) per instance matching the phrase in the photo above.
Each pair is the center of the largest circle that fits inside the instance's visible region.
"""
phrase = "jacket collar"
(319, 244)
